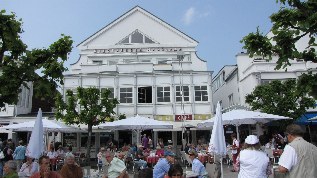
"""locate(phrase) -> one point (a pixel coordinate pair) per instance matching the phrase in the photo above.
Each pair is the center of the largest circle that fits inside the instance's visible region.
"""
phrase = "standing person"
(60, 152)
(19, 154)
(29, 167)
(197, 167)
(150, 142)
(117, 168)
(145, 141)
(102, 162)
(10, 169)
(235, 149)
(52, 155)
(71, 169)
(253, 162)
(299, 157)
(45, 171)
(277, 140)
(163, 165)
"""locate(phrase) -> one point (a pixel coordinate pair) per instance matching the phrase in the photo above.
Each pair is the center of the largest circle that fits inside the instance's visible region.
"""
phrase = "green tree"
(283, 98)
(295, 20)
(18, 65)
(89, 106)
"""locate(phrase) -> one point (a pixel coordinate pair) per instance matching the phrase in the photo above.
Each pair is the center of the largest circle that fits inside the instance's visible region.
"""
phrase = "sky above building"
(218, 25)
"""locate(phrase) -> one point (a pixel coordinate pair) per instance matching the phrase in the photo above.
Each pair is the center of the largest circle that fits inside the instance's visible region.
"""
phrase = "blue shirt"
(19, 153)
(198, 168)
(161, 168)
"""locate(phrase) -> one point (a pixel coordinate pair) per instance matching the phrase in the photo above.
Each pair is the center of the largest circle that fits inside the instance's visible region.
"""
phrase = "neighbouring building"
(151, 67)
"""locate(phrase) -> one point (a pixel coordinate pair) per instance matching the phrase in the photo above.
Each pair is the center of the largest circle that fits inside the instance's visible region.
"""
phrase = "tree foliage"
(284, 98)
(295, 20)
(19, 65)
(89, 106)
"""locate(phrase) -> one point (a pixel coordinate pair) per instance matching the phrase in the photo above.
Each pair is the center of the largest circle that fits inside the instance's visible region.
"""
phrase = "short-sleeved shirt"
(288, 158)
(116, 167)
(236, 144)
(198, 168)
(161, 168)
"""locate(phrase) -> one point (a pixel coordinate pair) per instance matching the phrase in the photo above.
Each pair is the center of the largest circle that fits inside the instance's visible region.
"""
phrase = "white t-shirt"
(288, 158)
(236, 143)
(253, 164)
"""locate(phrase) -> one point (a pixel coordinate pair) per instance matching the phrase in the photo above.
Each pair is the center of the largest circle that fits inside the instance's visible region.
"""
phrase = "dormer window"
(136, 37)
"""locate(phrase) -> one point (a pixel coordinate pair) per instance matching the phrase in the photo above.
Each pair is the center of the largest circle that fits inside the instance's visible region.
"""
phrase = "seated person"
(159, 151)
(163, 165)
(146, 152)
(29, 167)
(197, 167)
(60, 152)
(175, 171)
(139, 159)
(10, 169)
(71, 169)
(117, 167)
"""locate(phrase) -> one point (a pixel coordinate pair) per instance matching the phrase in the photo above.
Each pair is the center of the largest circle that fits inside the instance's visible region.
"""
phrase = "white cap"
(252, 139)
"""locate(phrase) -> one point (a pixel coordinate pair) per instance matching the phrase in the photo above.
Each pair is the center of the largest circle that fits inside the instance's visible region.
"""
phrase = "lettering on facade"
(135, 50)
(183, 117)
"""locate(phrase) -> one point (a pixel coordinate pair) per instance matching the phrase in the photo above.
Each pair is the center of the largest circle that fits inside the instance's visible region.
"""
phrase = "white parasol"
(35, 147)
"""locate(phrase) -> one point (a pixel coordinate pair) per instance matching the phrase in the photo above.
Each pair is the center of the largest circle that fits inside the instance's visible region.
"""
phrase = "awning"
(303, 120)
(178, 125)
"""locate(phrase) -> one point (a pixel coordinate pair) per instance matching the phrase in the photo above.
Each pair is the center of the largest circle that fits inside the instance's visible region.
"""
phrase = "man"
(163, 165)
(9, 169)
(139, 159)
(19, 154)
(145, 141)
(71, 169)
(197, 167)
(117, 168)
(299, 157)
(45, 171)
(235, 149)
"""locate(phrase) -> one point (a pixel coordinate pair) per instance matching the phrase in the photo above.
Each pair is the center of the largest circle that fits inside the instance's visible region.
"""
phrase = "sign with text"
(183, 117)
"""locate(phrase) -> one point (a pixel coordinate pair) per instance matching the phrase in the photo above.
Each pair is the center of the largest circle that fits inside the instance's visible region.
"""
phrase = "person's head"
(21, 142)
(252, 143)
(29, 159)
(192, 154)
(70, 159)
(60, 147)
(233, 135)
(44, 162)
(9, 167)
(140, 147)
(109, 156)
(102, 149)
(292, 131)
(175, 171)
(69, 148)
(120, 155)
(170, 156)
(145, 173)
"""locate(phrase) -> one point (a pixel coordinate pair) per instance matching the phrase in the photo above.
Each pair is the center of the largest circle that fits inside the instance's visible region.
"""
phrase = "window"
(230, 97)
(162, 61)
(97, 62)
(182, 91)
(145, 95)
(110, 63)
(201, 93)
(136, 37)
(126, 95)
(163, 94)
(84, 140)
(111, 95)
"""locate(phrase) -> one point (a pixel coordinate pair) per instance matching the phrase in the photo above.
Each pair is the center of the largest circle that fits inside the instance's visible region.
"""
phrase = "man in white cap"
(253, 162)
(299, 157)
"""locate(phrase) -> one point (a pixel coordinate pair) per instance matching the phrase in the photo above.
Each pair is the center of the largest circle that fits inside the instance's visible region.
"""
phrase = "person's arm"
(122, 174)
(282, 169)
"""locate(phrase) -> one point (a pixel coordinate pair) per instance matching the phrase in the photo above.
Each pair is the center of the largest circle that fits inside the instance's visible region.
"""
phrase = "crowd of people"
(298, 159)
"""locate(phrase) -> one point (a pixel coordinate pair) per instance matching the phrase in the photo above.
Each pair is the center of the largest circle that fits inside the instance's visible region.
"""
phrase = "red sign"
(183, 117)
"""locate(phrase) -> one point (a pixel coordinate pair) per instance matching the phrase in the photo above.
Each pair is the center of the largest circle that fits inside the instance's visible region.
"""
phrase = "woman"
(252, 162)
(197, 167)
(71, 169)
(29, 167)
(235, 149)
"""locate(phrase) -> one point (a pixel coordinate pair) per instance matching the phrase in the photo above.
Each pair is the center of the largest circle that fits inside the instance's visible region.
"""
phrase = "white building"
(145, 62)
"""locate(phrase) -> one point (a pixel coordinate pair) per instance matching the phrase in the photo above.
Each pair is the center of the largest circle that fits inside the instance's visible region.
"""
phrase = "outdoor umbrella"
(217, 144)
(48, 126)
(136, 123)
(36, 144)
(240, 116)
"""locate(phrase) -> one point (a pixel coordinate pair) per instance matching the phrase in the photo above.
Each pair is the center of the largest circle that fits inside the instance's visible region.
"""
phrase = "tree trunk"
(89, 144)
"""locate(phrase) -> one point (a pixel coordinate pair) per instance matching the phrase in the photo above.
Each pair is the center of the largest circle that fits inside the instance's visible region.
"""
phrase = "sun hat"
(168, 153)
(252, 139)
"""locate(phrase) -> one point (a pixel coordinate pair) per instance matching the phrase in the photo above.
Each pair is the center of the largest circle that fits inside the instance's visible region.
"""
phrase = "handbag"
(1, 154)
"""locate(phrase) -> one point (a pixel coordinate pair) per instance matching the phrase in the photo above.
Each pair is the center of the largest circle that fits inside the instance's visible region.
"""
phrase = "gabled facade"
(145, 62)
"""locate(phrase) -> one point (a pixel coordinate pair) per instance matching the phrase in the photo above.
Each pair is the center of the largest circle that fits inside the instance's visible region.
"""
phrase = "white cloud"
(189, 16)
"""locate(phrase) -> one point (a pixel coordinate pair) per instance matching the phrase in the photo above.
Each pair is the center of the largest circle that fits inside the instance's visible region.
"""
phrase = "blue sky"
(218, 25)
